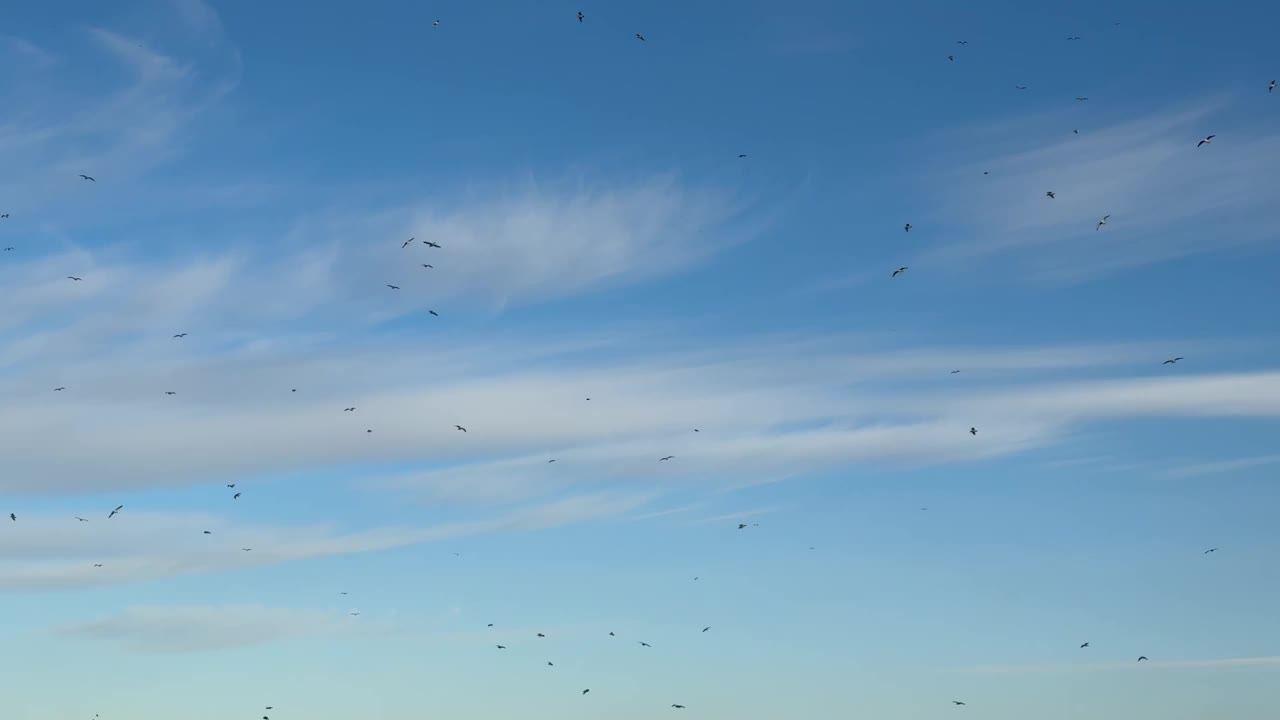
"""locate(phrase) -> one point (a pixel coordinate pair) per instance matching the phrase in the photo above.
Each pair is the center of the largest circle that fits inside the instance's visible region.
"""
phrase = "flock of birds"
(907, 227)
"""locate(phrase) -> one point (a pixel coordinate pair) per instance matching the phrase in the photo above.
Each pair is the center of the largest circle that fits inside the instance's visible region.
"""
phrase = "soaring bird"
(1019, 87)
(639, 37)
(207, 532)
(5, 216)
(611, 634)
(1102, 222)
(1082, 99)
(180, 335)
(680, 707)
(433, 312)
(86, 177)
(1206, 552)
(973, 431)
(956, 702)
(81, 519)
(1050, 195)
(406, 243)
(541, 635)
(953, 372)
(550, 664)
(113, 512)
(1171, 361)
(644, 644)
(741, 525)
(898, 271)
(1141, 658)
(906, 228)
(73, 277)
(97, 564)
(251, 550)
(584, 692)
(742, 155)
(579, 16)
(1076, 37)
(664, 459)
(1085, 645)
(962, 42)
(428, 266)
(8, 249)
(236, 496)
(1270, 87)
(502, 647)
(170, 392)
(460, 428)
(350, 409)
(707, 627)
(60, 389)
(394, 287)
(435, 23)
(1207, 140)
(1075, 132)
(13, 517)
(952, 58)
(430, 244)
(551, 460)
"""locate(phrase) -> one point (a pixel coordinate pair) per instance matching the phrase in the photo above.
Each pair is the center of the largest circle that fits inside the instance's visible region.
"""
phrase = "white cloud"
(1167, 198)
(169, 630)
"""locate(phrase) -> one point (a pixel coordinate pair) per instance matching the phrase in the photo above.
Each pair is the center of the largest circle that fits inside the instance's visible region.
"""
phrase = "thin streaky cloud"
(1222, 466)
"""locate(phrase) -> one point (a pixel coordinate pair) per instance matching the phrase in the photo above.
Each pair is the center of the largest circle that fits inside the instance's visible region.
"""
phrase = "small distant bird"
(350, 409)
(1206, 552)
(207, 532)
(956, 702)
(681, 707)
(394, 287)
(180, 335)
(1207, 140)
(489, 625)
(1075, 132)
(1270, 88)
(664, 459)
(579, 20)
(86, 177)
(639, 37)
(742, 156)
(15, 519)
(907, 227)
(611, 634)
(251, 550)
(460, 428)
(899, 271)
(428, 266)
(433, 312)
(1085, 645)
(72, 277)
(231, 485)
(1082, 99)
(584, 692)
(541, 635)
(1171, 361)
(435, 23)
(1141, 658)
(59, 389)
(551, 460)
(1077, 37)
(97, 564)
(962, 42)
(170, 392)
(502, 647)
(1020, 87)
(81, 519)
(236, 496)
(368, 431)
(952, 58)
(741, 525)
(1050, 195)
(406, 243)
(644, 644)
(4, 216)
(8, 249)
(113, 512)
(430, 244)
(550, 664)
(707, 627)
(1102, 222)
(953, 372)
(973, 431)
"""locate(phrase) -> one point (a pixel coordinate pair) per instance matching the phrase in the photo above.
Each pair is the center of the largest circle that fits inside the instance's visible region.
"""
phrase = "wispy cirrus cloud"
(1222, 466)
(1166, 197)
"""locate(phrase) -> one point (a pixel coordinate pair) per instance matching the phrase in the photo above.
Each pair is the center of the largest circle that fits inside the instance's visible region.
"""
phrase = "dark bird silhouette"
(899, 271)
(741, 525)
(435, 23)
(1075, 132)
(681, 707)
(231, 485)
(489, 625)
(59, 389)
(1077, 37)
(81, 519)
(640, 37)
(74, 278)
(180, 335)
(1102, 222)
(1270, 88)
(113, 512)
(97, 564)
(742, 156)
(956, 702)
(86, 177)
(644, 644)
(251, 550)
(1206, 552)
(973, 431)
(350, 409)
(170, 392)
(953, 372)
(551, 460)
(664, 459)
(1082, 99)
(433, 312)
(1207, 140)
(550, 664)
(428, 266)
(368, 431)
(1171, 361)
(406, 243)
(236, 496)
(1020, 87)
(707, 627)
(502, 647)
(207, 532)
(13, 517)
(1050, 195)
(1141, 658)
(541, 635)
(1085, 645)
(460, 428)
(5, 216)
(952, 58)
(906, 228)
(611, 634)
(962, 42)
(8, 249)
(394, 287)
(584, 692)
(430, 244)
(579, 20)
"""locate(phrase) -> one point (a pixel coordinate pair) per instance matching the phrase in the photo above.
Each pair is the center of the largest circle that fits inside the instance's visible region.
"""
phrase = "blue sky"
(258, 166)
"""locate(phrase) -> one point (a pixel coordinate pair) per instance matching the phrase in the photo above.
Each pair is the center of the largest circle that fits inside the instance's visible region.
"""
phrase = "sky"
(615, 284)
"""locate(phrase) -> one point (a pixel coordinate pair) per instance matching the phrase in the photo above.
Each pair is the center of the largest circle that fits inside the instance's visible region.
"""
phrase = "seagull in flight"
(644, 644)
(956, 702)
(460, 428)
(86, 177)
(13, 517)
(1206, 552)
(664, 459)
(251, 550)
(579, 16)
(973, 431)
(435, 23)
(906, 228)
(584, 692)
(72, 277)
(60, 389)
(406, 243)
(170, 392)
(236, 496)
(1019, 87)
(1077, 37)
(1208, 140)
(681, 707)
(1085, 645)
(706, 628)
(953, 372)
(113, 512)
(1270, 87)
(899, 270)
(1171, 361)
(81, 519)
(394, 287)
(1082, 99)
(433, 312)
(1050, 195)
(1102, 222)
(428, 266)
(1141, 658)
(430, 244)
(952, 58)
(8, 249)
(640, 37)
(962, 42)
(502, 647)
(350, 409)
(180, 335)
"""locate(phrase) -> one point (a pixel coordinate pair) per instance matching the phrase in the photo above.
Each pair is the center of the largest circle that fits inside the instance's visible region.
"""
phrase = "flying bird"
(953, 372)
(1102, 222)
(1050, 195)
(1206, 552)
(1082, 99)
(906, 228)
(664, 459)
(1020, 87)
(550, 664)
(541, 635)
(59, 389)
(81, 519)
(1085, 645)
(952, 58)
(707, 627)
(551, 460)
(251, 550)
(741, 525)
(113, 512)
(639, 37)
(86, 177)
(394, 287)
(72, 277)
(973, 431)
(433, 312)
(350, 409)
(460, 428)
(898, 271)
(207, 532)
(406, 243)
(962, 42)
(1075, 132)
(1270, 87)
(428, 266)
(170, 392)
(1077, 37)
(180, 335)
(1207, 140)
(435, 23)
(428, 243)
(8, 249)
(611, 634)
(13, 517)
(502, 647)
(1171, 361)
(956, 702)
(579, 20)
(584, 692)
(97, 564)
(681, 707)
(1141, 658)
(236, 496)
(644, 644)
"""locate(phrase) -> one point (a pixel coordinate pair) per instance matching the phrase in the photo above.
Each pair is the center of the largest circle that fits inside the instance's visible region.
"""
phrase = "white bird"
(1102, 222)
(1208, 139)
(1271, 87)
